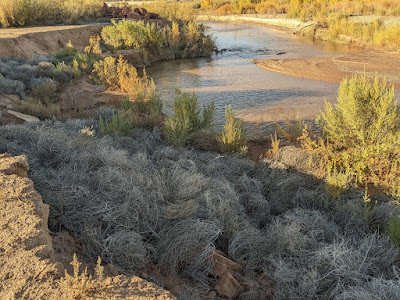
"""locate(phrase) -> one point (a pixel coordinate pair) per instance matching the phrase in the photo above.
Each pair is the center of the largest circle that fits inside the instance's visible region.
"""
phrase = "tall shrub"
(361, 133)
(180, 127)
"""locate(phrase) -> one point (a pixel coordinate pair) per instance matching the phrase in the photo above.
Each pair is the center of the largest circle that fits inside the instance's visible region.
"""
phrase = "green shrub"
(118, 123)
(180, 128)
(187, 40)
(361, 133)
(233, 137)
(394, 231)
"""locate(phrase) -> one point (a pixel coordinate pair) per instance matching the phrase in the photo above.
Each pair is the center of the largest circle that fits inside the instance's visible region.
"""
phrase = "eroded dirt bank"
(43, 40)
(28, 263)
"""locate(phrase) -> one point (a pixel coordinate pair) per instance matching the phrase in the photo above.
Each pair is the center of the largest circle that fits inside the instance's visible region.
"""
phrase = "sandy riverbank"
(330, 69)
(333, 69)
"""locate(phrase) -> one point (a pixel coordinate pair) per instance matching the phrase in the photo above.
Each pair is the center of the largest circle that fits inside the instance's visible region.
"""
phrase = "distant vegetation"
(47, 12)
(335, 17)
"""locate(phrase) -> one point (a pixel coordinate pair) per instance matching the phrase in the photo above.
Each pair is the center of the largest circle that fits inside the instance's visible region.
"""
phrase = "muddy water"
(256, 95)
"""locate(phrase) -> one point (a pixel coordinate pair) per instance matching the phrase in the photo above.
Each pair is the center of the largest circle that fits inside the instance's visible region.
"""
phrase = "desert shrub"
(94, 45)
(151, 104)
(45, 91)
(188, 40)
(119, 74)
(361, 133)
(292, 130)
(81, 284)
(180, 127)
(137, 200)
(118, 123)
(133, 35)
(173, 11)
(393, 230)
(31, 12)
(233, 137)
(42, 110)
(9, 86)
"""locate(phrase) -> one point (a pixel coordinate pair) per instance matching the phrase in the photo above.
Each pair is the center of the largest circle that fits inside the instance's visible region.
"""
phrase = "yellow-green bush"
(118, 74)
(187, 40)
(38, 12)
(233, 137)
(361, 133)
(186, 121)
(118, 123)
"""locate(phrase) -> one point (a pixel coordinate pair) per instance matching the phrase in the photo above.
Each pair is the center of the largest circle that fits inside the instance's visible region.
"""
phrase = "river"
(257, 96)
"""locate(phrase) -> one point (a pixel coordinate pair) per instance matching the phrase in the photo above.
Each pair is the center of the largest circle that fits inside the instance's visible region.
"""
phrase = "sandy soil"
(333, 69)
(30, 41)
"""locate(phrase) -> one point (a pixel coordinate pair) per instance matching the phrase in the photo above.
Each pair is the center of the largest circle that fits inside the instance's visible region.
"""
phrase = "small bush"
(293, 130)
(37, 108)
(118, 74)
(45, 91)
(233, 137)
(394, 231)
(9, 86)
(118, 123)
(80, 285)
(180, 128)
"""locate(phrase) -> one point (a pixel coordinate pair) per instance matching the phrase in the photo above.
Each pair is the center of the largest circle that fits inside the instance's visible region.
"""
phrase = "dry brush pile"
(135, 200)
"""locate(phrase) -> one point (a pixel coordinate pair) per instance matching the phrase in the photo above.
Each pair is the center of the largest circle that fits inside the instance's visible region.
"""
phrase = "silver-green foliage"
(136, 200)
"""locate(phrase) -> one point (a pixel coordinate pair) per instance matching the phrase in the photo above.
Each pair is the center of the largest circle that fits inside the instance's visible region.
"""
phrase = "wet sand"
(335, 68)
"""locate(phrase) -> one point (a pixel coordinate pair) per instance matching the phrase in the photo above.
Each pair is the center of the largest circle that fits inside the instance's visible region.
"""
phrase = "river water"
(257, 96)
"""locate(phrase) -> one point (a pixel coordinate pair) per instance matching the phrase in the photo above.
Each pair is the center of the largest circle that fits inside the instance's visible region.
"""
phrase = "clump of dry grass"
(38, 108)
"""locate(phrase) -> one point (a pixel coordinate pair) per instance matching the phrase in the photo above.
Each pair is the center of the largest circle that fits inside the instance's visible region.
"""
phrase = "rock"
(110, 270)
(151, 16)
(17, 165)
(134, 16)
(224, 264)
(9, 101)
(228, 286)
(23, 117)
(142, 11)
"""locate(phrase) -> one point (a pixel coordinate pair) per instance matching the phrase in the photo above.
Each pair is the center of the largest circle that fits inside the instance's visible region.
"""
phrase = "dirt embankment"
(44, 40)
(28, 266)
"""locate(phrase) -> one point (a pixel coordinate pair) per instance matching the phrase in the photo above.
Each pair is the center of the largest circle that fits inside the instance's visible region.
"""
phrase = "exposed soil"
(333, 69)
(31, 41)
(82, 97)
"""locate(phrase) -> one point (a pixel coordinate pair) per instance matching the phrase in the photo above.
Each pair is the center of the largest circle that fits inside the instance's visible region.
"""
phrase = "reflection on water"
(230, 77)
